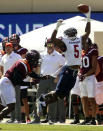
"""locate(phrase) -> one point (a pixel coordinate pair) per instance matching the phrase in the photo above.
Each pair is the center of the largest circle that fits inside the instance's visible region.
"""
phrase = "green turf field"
(24, 127)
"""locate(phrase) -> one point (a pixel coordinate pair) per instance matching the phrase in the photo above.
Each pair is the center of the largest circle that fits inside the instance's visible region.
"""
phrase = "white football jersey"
(74, 50)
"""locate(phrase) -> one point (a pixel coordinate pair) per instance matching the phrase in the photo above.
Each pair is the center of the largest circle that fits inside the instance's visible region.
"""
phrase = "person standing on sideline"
(51, 62)
(16, 116)
(15, 40)
(88, 81)
(2, 52)
(9, 58)
(99, 90)
(25, 118)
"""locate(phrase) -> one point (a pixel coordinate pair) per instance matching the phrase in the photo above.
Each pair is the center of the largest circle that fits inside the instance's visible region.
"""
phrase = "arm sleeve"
(26, 83)
(34, 75)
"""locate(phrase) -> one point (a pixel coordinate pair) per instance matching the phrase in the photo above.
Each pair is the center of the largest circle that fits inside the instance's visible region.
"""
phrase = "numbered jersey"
(87, 60)
(73, 53)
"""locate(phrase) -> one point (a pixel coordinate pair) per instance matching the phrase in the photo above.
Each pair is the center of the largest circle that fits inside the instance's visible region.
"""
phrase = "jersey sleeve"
(94, 52)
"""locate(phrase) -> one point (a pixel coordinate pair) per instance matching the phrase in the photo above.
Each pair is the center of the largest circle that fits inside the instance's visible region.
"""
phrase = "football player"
(15, 40)
(99, 90)
(15, 76)
(72, 47)
(87, 81)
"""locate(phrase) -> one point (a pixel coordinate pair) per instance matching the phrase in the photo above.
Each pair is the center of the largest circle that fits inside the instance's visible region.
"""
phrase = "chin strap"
(72, 38)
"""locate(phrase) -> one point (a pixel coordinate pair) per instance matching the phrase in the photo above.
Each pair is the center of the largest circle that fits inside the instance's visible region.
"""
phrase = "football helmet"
(15, 39)
(4, 41)
(33, 58)
(71, 33)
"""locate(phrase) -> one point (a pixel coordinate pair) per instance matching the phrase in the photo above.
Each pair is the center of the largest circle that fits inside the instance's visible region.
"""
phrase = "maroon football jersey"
(16, 73)
(99, 77)
(87, 60)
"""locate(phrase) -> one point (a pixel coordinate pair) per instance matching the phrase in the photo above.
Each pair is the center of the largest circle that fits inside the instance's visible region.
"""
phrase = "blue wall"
(22, 23)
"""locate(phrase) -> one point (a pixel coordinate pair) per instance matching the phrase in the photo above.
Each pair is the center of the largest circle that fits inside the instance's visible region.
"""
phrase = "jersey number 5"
(76, 51)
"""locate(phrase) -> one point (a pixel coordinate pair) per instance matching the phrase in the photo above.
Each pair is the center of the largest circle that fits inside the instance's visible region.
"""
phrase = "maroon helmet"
(33, 58)
(15, 39)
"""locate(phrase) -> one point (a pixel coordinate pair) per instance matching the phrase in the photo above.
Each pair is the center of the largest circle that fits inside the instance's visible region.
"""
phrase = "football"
(83, 8)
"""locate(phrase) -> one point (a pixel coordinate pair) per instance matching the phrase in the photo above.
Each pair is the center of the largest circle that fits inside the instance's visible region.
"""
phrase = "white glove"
(59, 23)
(88, 15)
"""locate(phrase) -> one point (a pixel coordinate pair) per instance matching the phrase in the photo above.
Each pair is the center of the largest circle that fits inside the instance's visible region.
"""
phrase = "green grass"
(24, 127)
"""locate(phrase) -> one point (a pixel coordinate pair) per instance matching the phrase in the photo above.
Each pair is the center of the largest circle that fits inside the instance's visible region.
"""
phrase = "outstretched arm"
(88, 26)
(56, 41)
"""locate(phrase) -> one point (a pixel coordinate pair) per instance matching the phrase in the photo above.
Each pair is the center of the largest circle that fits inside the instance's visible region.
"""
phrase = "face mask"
(72, 38)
